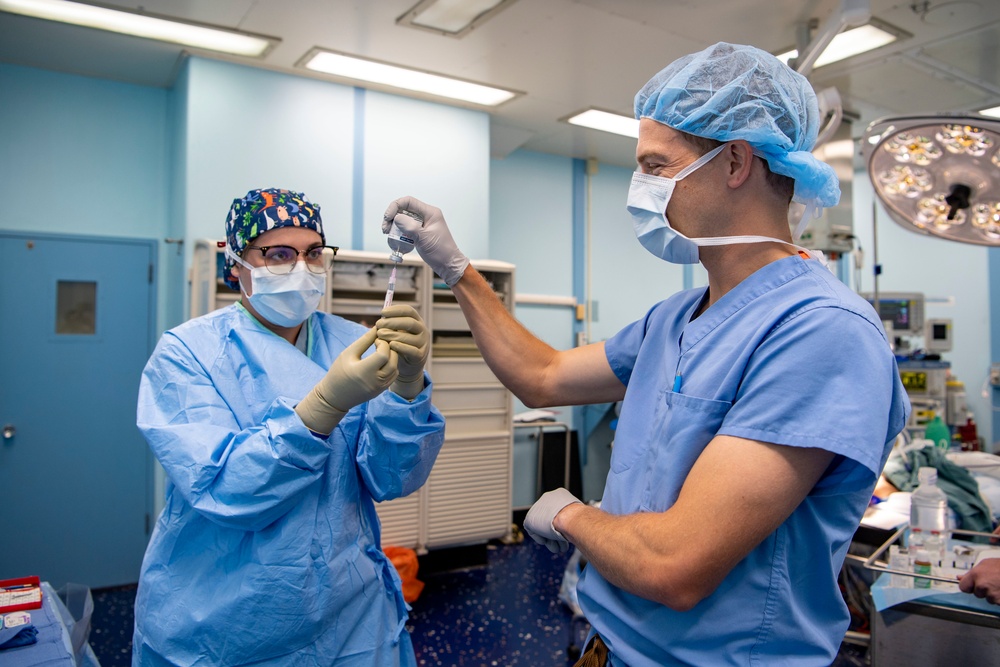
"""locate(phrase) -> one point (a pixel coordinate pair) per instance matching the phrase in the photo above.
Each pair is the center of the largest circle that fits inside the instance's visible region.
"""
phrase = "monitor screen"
(904, 310)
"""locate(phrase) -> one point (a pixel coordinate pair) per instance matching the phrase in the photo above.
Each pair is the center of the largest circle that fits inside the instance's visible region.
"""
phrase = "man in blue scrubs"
(757, 412)
(277, 433)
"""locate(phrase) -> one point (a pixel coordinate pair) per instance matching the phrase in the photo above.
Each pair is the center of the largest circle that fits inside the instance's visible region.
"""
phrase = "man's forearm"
(622, 550)
(513, 353)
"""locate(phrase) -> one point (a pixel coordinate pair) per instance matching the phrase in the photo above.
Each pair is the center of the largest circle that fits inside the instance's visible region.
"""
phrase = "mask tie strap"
(811, 211)
(699, 162)
(236, 258)
(733, 240)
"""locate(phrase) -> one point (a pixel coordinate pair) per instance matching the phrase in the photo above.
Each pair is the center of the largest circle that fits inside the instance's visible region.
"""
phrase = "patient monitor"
(904, 309)
(937, 335)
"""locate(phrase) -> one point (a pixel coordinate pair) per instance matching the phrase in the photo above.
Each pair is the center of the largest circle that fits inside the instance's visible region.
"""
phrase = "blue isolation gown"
(267, 551)
(792, 357)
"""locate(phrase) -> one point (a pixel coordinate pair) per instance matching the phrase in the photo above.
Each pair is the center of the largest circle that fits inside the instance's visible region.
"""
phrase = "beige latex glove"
(350, 381)
(402, 328)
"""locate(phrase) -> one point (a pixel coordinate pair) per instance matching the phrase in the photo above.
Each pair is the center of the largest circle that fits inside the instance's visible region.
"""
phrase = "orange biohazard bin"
(406, 564)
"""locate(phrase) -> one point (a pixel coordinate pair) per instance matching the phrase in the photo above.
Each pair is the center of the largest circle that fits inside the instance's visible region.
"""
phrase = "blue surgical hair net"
(729, 92)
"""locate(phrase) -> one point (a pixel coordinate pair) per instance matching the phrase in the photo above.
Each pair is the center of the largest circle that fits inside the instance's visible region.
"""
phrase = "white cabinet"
(467, 499)
(208, 291)
(469, 490)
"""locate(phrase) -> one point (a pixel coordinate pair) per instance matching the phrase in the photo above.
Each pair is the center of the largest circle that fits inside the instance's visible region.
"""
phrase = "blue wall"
(531, 226)
(82, 156)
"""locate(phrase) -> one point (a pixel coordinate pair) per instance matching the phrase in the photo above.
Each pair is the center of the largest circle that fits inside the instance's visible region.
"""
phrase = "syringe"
(400, 245)
(392, 288)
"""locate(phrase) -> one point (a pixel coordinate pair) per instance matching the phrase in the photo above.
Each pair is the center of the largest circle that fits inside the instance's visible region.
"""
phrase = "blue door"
(75, 474)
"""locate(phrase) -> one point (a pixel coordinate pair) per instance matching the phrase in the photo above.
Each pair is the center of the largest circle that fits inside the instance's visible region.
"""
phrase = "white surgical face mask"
(287, 299)
(648, 197)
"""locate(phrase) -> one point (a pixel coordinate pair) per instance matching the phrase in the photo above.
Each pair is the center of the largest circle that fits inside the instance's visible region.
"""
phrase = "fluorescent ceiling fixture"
(453, 18)
(140, 25)
(848, 43)
(606, 122)
(407, 79)
(993, 112)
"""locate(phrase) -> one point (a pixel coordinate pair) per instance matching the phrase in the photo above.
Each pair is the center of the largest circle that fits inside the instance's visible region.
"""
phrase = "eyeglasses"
(281, 259)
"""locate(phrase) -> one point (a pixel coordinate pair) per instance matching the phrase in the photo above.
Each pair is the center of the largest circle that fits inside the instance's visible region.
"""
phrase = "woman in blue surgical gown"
(277, 432)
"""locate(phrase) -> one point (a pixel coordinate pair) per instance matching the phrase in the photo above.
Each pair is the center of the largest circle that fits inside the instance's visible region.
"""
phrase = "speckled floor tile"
(505, 614)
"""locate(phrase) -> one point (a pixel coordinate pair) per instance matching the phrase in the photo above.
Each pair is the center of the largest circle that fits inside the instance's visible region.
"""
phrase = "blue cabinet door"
(75, 474)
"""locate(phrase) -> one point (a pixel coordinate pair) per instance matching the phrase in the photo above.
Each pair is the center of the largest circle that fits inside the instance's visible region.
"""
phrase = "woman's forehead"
(288, 236)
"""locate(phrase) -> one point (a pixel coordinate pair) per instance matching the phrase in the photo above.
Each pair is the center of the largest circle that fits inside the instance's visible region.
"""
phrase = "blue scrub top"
(268, 549)
(791, 357)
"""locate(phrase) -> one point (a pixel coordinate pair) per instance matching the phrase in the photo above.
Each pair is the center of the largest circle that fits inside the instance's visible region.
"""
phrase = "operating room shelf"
(470, 396)
(366, 312)
(448, 316)
(462, 370)
(224, 299)
(472, 422)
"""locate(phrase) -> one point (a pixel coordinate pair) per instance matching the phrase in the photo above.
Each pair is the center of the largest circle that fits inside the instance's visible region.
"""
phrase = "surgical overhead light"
(938, 175)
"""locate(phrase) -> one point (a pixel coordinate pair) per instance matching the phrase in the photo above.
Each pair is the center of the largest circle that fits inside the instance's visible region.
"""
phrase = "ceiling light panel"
(606, 121)
(855, 41)
(452, 18)
(143, 25)
(393, 76)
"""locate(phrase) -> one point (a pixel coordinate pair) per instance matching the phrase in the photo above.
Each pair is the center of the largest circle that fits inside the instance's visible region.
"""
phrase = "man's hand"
(434, 242)
(350, 381)
(983, 580)
(538, 523)
(402, 328)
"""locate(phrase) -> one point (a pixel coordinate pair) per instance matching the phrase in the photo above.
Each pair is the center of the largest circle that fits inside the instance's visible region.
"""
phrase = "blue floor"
(504, 614)
(507, 613)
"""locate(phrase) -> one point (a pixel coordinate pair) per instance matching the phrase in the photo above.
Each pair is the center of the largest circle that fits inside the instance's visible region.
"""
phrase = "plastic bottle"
(928, 511)
(968, 435)
(938, 432)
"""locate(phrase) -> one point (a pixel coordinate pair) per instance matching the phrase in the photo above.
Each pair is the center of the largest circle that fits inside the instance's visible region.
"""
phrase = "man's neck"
(729, 265)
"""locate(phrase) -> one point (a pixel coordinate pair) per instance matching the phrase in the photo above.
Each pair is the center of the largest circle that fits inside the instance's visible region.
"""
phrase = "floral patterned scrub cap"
(261, 211)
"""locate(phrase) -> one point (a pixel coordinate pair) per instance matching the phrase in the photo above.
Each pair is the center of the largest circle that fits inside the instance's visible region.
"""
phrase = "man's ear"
(740, 156)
